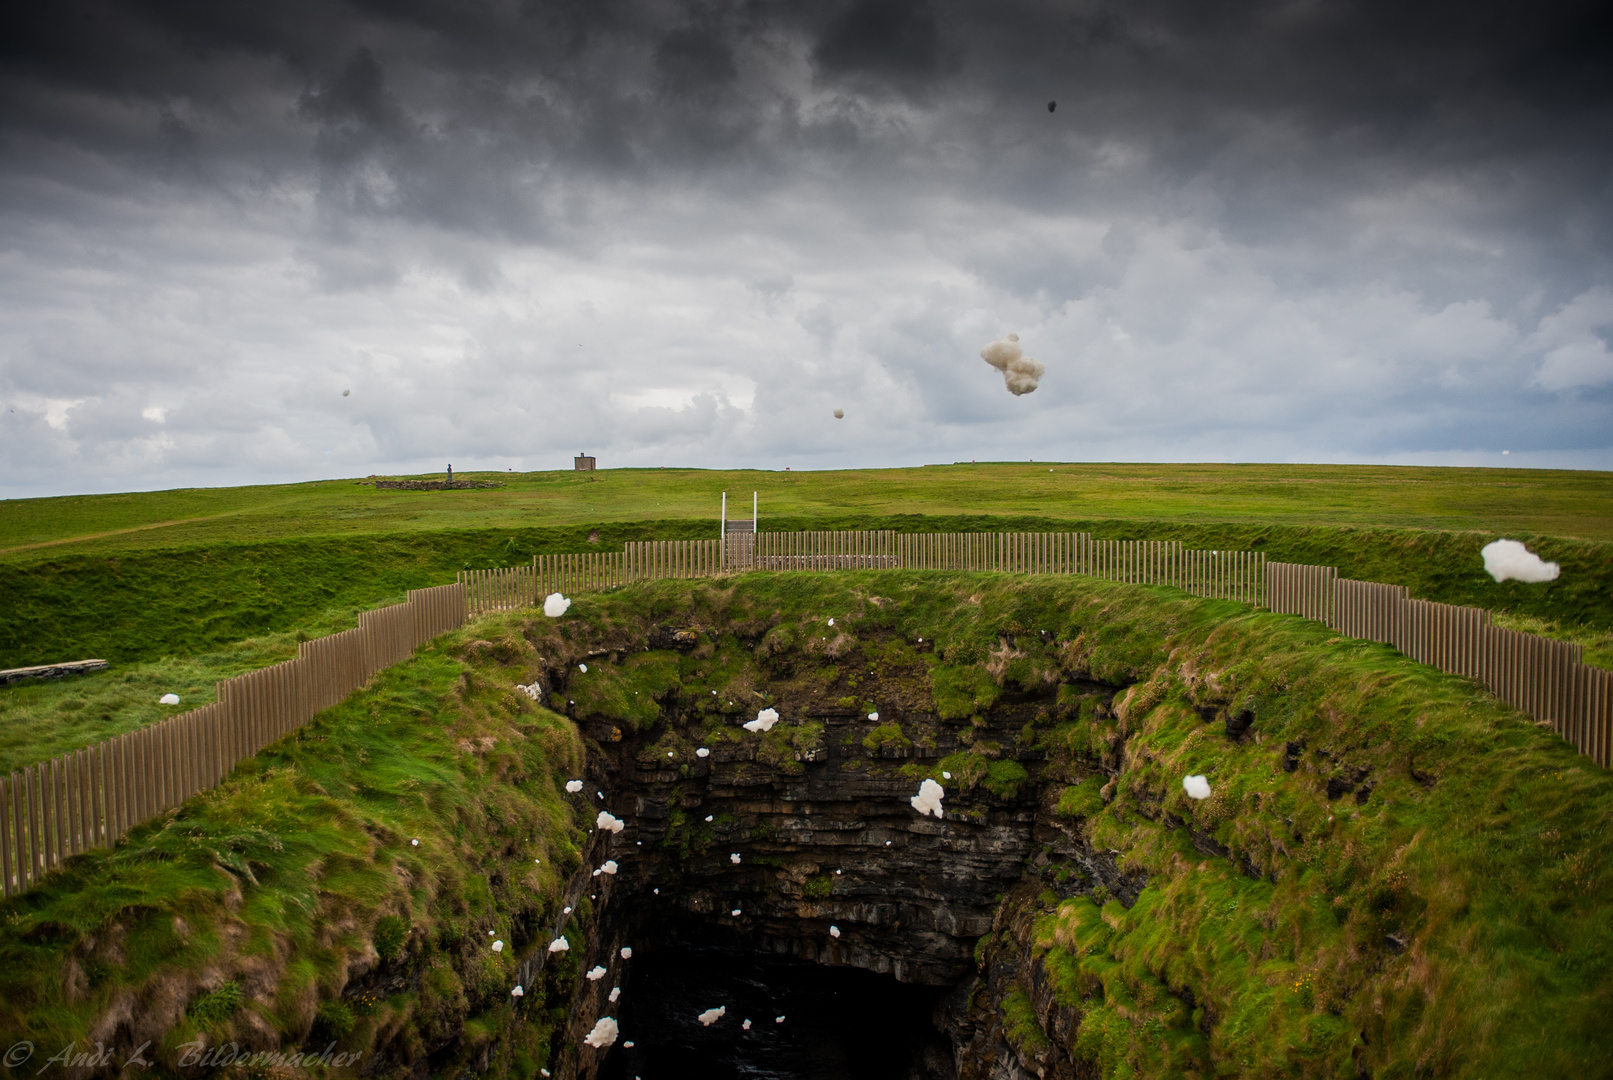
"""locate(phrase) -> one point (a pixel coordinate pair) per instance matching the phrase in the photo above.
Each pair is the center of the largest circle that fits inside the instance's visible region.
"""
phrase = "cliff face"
(772, 840)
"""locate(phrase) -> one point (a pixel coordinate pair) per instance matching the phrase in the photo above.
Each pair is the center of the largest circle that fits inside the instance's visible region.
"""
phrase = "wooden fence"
(1229, 575)
(90, 798)
(591, 571)
(1537, 675)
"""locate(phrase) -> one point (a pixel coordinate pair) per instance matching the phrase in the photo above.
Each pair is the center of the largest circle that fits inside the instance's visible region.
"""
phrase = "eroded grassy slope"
(245, 913)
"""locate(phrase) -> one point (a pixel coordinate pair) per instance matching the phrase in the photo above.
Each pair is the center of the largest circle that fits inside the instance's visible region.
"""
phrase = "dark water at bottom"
(839, 1023)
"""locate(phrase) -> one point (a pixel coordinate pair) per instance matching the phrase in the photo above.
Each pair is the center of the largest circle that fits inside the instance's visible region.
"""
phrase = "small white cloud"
(928, 800)
(596, 973)
(604, 1033)
(1197, 787)
(559, 944)
(154, 413)
(555, 605)
(711, 1016)
(764, 720)
(1504, 559)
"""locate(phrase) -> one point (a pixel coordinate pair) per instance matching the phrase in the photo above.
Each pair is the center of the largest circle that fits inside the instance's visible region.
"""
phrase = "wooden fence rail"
(90, 798)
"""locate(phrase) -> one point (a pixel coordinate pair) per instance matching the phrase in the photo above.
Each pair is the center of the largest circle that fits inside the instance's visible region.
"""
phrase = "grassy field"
(1555, 502)
(249, 569)
(1478, 840)
(147, 604)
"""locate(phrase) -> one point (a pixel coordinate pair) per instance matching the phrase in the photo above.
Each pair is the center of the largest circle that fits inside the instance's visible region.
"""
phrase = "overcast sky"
(684, 234)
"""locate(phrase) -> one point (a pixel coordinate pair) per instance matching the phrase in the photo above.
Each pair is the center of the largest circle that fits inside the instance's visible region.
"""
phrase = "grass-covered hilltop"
(1394, 875)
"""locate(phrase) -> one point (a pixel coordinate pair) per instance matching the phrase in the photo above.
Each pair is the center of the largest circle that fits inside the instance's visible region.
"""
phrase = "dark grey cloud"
(1365, 230)
(885, 39)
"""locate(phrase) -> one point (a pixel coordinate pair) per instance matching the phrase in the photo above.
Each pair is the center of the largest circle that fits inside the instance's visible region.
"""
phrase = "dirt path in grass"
(112, 532)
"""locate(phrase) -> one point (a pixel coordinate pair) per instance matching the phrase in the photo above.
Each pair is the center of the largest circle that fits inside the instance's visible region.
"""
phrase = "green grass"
(1553, 502)
(41, 719)
(1479, 842)
(149, 604)
(286, 873)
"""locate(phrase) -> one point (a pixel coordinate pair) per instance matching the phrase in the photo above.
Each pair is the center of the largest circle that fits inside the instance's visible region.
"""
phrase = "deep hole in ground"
(838, 1022)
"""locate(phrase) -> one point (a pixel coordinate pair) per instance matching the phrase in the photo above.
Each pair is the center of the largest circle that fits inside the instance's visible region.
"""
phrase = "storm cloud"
(682, 234)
